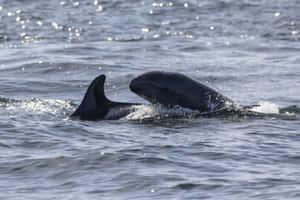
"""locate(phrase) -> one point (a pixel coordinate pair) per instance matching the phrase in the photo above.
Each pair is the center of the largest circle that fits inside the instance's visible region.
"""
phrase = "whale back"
(96, 106)
(174, 89)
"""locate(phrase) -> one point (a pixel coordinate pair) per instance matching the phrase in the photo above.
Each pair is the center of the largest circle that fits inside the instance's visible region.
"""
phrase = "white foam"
(157, 111)
(266, 107)
(141, 112)
(41, 106)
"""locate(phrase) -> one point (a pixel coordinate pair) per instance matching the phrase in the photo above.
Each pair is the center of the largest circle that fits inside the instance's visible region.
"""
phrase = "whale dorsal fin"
(94, 104)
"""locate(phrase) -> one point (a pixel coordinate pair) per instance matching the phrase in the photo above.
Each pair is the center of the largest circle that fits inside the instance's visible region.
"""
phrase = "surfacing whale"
(168, 89)
(95, 105)
(174, 89)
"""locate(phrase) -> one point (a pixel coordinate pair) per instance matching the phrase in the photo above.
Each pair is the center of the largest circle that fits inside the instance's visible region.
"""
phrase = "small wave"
(190, 186)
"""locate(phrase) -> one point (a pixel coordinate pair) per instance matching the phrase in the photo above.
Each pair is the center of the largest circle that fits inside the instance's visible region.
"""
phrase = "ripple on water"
(51, 50)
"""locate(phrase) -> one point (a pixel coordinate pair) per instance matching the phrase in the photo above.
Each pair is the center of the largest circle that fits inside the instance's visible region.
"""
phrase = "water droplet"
(277, 14)
(18, 11)
(96, 2)
(40, 23)
(165, 23)
(99, 9)
(186, 5)
(109, 39)
(62, 3)
(211, 27)
(156, 36)
(23, 26)
(18, 19)
(157, 4)
(22, 34)
(55, 25)
(10, 14)
(294, 32)
(145, 30)
(1, 7)
(151, 12)
(152, 190)
(76, 4)
(90, 22)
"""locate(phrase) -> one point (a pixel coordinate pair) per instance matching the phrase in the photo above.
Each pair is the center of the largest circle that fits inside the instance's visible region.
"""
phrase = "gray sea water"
(50, 51)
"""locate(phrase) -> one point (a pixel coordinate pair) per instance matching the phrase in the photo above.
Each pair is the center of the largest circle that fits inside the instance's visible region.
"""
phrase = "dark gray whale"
(174, 89)
(165, 88)
(95, 105)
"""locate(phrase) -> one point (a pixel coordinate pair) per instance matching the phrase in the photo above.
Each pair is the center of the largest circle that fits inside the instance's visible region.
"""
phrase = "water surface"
(51, 50)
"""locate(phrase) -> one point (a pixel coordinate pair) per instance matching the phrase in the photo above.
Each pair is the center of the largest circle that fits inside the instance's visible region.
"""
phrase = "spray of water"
(266, 107)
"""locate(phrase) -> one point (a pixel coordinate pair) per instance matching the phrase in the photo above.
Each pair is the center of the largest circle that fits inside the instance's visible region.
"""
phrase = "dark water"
(51, 50)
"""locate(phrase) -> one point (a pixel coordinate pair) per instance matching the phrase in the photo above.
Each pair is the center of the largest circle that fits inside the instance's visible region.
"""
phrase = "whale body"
(174, 89)
(96, 106)
(164, 88)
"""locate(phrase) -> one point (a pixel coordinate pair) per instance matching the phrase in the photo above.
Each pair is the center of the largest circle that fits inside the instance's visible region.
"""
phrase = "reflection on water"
(51, 50)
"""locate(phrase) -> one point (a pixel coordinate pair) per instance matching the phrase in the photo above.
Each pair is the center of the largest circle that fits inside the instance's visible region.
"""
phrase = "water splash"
(36, 106)
(158, 111)
(266, 107)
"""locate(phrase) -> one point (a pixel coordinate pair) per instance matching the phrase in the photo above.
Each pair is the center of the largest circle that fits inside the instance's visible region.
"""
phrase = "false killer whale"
(95, 105)
(174, 89)
(166, 88)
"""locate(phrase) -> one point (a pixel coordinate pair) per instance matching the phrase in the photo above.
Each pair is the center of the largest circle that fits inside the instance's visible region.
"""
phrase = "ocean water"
(50, 51)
